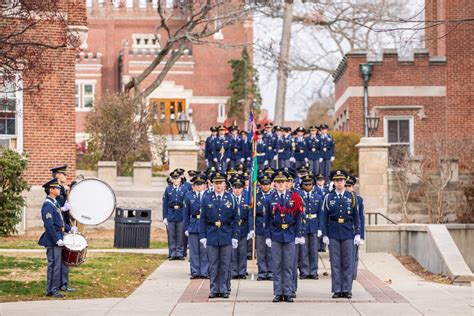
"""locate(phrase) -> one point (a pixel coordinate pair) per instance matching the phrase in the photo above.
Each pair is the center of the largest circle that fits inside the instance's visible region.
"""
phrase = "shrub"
(12, 185)
(346, 154)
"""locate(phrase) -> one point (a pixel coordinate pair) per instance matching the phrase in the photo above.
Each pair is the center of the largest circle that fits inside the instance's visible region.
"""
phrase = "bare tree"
(400, 167)
(21, 51)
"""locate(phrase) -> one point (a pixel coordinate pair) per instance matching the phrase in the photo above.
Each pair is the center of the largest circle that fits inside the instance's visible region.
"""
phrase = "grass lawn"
(23, 276)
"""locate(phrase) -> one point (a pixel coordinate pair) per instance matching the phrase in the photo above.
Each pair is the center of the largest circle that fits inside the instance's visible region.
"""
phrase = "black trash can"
(132, 228)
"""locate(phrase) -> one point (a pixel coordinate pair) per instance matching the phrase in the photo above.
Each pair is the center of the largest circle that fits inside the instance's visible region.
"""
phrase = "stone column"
(107, 171)
(373, 175)
(142, 173)
(182, 154)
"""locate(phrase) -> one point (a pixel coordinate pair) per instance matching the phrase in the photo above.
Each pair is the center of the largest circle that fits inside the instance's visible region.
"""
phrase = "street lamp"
(372, 123)
(366, 72)
(183, 125)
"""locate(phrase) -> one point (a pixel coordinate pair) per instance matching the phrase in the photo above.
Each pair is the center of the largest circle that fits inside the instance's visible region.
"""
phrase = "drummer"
(60, 174)
(52, 239)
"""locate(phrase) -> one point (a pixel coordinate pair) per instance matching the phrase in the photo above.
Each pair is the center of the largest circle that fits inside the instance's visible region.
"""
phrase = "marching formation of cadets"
(276, 147)
(297, 214)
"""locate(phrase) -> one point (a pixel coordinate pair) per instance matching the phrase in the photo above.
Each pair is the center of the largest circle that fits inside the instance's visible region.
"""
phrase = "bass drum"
(92, 201)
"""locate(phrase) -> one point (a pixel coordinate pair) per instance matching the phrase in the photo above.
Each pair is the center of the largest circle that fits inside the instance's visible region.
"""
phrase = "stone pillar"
(373, 175)
(107, 171)
(450, 169)
(182, 154)
(142, 173)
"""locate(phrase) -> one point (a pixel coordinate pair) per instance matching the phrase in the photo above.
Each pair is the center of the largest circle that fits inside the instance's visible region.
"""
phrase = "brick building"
(417, 97)
(121, 43)
(41, 122)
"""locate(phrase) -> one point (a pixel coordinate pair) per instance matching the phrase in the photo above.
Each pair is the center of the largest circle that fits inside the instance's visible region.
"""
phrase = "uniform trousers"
(53, 274)
(296, 262)
(219, 268)
(198, 256)
(309, 255)
(314, 166)
(239, 258)
(325, 168)
(283, 256)
(284, 163)
(175, 239)
(299, 164)
(341, 255)
(356, 262)
(264, 258)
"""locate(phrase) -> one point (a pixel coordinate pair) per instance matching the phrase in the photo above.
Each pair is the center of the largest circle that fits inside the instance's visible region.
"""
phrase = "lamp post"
(372, 123)
(183, 125)
(366, 72)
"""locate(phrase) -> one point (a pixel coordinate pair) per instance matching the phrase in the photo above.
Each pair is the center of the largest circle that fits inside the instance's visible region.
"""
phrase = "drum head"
(92, 201)
(75, 242)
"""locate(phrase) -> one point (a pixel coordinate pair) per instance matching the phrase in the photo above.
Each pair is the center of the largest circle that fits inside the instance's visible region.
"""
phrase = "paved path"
(384, 287)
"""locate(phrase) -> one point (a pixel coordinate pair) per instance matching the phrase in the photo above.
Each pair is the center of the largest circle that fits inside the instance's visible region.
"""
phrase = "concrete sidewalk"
(384, 287)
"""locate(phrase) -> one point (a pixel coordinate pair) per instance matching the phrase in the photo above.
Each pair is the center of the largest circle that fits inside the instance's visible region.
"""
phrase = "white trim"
(19, 114)
(221, 108)
(411, 126)
(88, 66)
(147, 63)
(88, 75)
(209, 99)
(171, 72)
(89, 81)
(391, 91)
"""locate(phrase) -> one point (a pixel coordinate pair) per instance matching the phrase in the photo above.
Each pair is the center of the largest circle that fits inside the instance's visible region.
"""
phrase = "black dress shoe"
(56, 295)
(213, 295)
(67, 289)
(249, 257)
(225, 295)
(303, 277)
(270, 278)
(348, 295)
(289, 299)
(192, 277)
(277, 298)
(180, 258)
(243, 277)
(293, 295)
(337, 295)
(261, 278)
(235, 277)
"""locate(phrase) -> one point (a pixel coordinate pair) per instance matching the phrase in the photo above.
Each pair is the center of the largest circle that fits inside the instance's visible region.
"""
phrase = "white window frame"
(142, 4)
(411, 132)
(221, 109)
(129, 3)
(88, 3)
(81, 84)
(18, 117)
(77, 95)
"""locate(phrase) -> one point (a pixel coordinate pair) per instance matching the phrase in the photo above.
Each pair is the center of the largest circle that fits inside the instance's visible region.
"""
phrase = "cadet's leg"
(179, 239)
(313, 254)
(261, 257)
(234, 262)
(335, 258)
(269, 261)
(289, 262)
(64, 274)
(316, 166)
(49, 273)
(347, 252)
(294, 269)
(194, 254)
(242, 256)
(57, 268)
(204, 261)
(311, 165)
(249, 248)
(185, 243)
(356, 262)
(304, 257)
(213, 255)
(277, 256)
(172, 239)
(224, 277)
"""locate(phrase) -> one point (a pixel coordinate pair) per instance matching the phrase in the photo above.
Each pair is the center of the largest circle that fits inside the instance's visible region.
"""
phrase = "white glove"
(248, 159)
(292, 159)
(203, 241)
(268, 242)
(275, 158)
(186, 233)
(242, 160)
(306, 159)
(215, 159)
(165, 221)
(357, 240)
(320, 233)
(74, 230)
(302, 240)
(265, 163)
(235, 243)
(332, 158)
(250, 235)
(60, 243)
(320, 159)
(66, 207)
(325, 240)
(227, 160)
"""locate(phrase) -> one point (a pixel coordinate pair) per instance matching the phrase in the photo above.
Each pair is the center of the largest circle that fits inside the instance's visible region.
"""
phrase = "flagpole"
(254, 197)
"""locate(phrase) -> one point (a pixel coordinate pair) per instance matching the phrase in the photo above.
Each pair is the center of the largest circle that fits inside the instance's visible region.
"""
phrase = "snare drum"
(74, 250)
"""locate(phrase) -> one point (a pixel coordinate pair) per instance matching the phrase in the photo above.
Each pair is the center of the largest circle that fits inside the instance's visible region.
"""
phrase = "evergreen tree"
(244, 86)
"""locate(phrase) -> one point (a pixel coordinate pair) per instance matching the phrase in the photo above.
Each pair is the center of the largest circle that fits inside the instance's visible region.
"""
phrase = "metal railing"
(376, 215)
